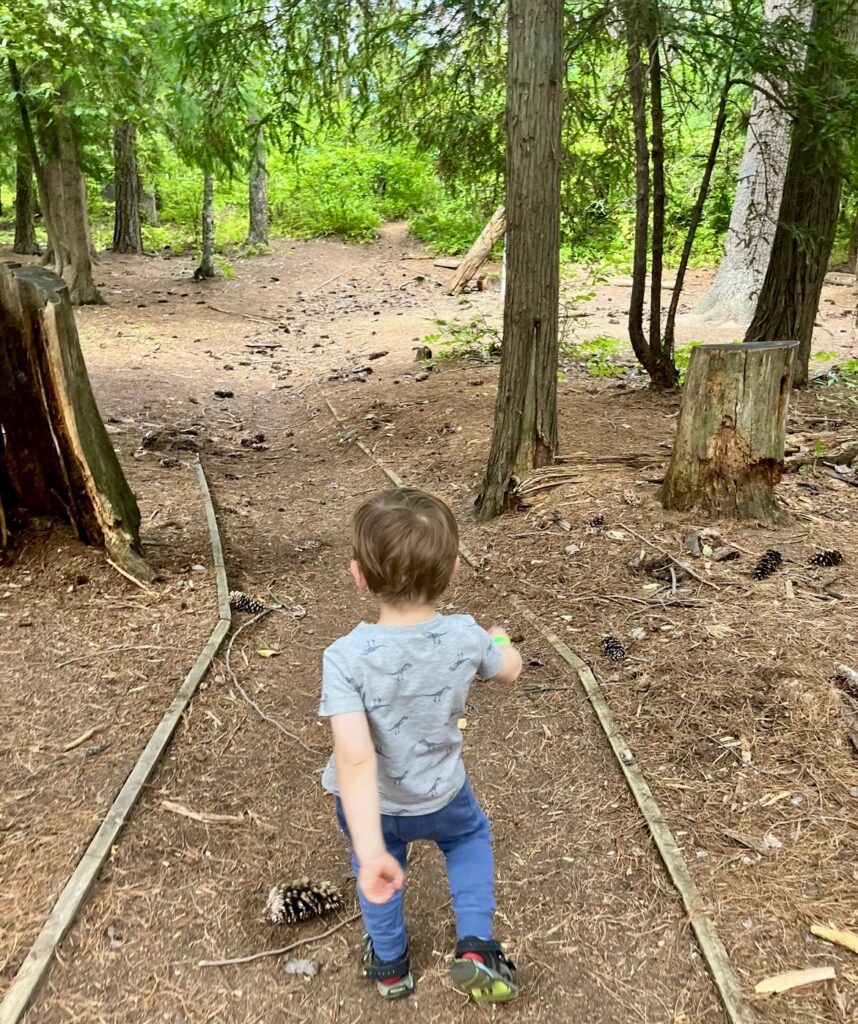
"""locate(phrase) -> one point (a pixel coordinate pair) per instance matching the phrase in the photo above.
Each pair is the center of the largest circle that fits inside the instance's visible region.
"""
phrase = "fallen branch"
(281, 950)
(246, 696)
(205, 817)
(849, 940)
(260, 318)
(128, 576)
(81, 739)
(682, 565)
(794, 979)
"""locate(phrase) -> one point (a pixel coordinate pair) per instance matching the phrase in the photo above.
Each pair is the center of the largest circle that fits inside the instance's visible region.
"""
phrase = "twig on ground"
(682, 565)
(246, 695)
(328, 280)
(81, 739)
(137, 583)
(261, 318)
(281, 950)
(116, 649)
(203, 816)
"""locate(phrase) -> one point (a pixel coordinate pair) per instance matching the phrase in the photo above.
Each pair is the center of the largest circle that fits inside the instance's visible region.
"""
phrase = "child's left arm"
(380, 874)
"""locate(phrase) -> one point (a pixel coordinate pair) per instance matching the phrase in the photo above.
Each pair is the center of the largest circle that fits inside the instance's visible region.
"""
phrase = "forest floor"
(726, 696)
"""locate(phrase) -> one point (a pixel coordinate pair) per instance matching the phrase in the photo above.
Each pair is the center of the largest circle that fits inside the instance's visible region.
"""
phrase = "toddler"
(394, 692)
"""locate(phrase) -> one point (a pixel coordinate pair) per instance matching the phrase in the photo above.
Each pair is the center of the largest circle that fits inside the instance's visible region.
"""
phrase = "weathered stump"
(729, 449)
(479, 252)
(55, 455)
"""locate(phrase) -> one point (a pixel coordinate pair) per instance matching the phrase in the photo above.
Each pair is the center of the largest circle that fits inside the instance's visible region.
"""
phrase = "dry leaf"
(306, 968)
(616, 534)
(794, 979)
(717, 630)
(266, 653)
(849, 940)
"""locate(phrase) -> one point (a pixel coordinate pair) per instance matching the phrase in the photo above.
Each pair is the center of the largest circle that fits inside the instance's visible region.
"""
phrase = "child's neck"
(405, 614)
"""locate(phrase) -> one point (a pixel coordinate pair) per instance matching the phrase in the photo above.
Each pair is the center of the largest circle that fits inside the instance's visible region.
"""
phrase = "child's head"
(406, 546)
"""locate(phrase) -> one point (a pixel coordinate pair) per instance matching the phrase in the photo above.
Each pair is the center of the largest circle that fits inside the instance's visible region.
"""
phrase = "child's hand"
(498, 631)
(380, 878)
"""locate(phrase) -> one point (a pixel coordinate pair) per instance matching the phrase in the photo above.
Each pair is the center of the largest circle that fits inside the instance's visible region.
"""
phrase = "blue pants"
(463, 835)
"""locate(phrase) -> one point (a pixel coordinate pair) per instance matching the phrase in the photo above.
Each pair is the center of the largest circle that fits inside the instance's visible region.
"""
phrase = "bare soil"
(726, 696)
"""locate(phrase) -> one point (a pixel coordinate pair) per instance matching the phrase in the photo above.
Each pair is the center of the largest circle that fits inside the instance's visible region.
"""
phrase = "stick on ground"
(278, 952)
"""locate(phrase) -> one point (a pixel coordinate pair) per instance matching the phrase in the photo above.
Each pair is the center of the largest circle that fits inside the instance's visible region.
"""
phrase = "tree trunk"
(637, 89)
(525, 427)
(753, 221)
(852, 254)
(126, 212)
(479, 252)
(57, 457)
(729, 448)
(25, 223)
(789, 299)
(258, 187)
(62, 192)
(207, 267)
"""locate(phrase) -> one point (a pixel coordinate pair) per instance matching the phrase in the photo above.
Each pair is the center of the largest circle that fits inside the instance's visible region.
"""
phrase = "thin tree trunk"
(207, 264)
(694, 222)
(258, 187)
(25, 223)
(525, 426)
(662, 372)
(637, 89)
(852, 256)
(789, 299)
(753, 221)
(126, 212)
(75, 218)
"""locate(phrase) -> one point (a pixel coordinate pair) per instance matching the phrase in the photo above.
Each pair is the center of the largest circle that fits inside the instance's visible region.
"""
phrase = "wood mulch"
(726, 695)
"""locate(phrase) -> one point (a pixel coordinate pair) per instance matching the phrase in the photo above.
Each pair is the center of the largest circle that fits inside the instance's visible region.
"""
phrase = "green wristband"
(500, 639)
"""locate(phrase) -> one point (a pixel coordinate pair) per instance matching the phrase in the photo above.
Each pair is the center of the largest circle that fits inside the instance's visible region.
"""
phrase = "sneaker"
(482, 968)
(392, 977)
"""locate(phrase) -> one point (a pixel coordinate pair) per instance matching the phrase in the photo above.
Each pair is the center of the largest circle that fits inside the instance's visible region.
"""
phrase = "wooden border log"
(34, 970)
(58, 458)
(479, 252)
(729, 449)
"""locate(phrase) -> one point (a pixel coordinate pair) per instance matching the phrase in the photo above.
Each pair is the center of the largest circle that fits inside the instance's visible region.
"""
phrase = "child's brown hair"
(406, 543)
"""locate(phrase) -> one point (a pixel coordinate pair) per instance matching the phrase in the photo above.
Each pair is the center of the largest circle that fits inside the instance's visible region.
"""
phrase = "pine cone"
(767, 564)
(293, 902)
(241, 602)
(827, 558)
(596, 523)
(613, 648)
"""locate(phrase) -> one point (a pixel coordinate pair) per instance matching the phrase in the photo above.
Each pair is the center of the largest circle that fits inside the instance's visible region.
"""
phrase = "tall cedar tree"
(525, 427)
(789, 298)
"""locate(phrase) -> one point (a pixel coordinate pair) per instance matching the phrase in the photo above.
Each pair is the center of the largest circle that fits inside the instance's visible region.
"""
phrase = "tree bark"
(479, 252)
(525, 426)
(729, 448)
(789, 298)
(57, 456)
(25, 206)
(258, 187)
(207, 268)
(637, 89)
(753, 221)
(62, 191)
(127, 235)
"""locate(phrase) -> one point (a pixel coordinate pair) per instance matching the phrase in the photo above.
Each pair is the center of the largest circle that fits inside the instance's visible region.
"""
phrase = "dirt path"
(583, 898)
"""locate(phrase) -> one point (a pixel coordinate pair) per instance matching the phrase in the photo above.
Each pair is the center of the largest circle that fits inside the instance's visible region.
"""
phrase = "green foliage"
(475, 339)
(824, 356)
(450, 225)
(682, 357)
(843, 373)
(598, 355)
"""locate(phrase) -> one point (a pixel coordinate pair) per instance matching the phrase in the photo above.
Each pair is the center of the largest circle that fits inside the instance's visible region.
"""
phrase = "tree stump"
(479, 252)
(56, 458)
(729, 449)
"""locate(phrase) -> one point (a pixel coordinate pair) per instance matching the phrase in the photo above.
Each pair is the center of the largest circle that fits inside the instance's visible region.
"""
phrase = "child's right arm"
(511, 666)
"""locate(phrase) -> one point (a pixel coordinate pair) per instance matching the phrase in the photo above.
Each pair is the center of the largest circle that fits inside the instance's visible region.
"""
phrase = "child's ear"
(358, 576)
(456, 568)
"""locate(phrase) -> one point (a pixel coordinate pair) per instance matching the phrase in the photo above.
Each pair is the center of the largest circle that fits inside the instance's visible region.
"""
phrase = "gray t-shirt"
(412, 682)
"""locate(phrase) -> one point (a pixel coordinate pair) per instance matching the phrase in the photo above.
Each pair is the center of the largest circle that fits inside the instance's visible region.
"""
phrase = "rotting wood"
(721, 967)
(479, 252)
(33, 971)
(729, 449)
(58, 457)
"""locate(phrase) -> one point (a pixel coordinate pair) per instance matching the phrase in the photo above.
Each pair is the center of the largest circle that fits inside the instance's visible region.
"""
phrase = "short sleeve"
(340, 692)
(491, 656)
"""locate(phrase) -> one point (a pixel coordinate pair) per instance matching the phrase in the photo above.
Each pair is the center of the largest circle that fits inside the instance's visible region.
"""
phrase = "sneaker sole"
(482, 983)
(404, 987)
